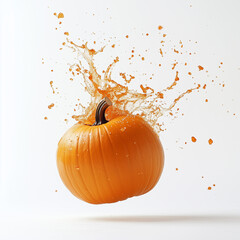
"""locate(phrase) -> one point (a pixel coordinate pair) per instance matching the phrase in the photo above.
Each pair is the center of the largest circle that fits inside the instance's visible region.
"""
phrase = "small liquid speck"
(200, 68)
(51, 106)
(193, 139)
(210, 141)
(60, 15)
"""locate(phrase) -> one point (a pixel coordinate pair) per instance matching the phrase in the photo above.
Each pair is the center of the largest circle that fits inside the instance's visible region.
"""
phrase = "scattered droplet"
(60, 15)
(51, 106)
(200, 68)
(210, 141)
(193, 139)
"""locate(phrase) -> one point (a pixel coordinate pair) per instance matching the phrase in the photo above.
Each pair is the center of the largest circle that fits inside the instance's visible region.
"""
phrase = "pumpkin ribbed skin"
(110, 162)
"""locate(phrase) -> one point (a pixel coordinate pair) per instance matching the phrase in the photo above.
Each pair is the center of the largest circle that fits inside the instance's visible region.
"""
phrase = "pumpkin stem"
(100, 111)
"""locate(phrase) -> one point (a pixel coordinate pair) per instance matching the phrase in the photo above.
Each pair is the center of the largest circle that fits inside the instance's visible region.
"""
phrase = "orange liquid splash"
(149, 104)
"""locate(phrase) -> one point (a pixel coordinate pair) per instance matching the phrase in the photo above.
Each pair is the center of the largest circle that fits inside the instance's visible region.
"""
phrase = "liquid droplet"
(193, 139)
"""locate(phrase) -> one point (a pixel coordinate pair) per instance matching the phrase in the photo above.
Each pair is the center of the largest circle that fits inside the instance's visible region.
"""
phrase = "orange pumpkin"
(110, 161)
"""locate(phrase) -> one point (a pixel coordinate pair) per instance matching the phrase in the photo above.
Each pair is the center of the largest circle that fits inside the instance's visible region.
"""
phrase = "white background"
(180, 206)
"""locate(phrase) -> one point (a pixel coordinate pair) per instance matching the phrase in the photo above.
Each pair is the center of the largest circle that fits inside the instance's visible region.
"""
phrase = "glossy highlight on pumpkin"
(110, 162)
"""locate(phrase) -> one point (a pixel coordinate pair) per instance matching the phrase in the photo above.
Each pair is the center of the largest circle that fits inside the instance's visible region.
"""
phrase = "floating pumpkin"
(110, 161)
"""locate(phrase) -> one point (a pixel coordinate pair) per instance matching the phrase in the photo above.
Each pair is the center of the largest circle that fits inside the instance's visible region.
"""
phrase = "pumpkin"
(110, 161)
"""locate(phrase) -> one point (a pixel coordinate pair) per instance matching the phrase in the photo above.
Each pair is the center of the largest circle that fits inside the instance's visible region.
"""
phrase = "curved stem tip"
(100, 111)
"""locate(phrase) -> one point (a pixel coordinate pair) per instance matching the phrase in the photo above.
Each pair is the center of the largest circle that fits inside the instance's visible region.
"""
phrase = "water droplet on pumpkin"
(123, 129)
